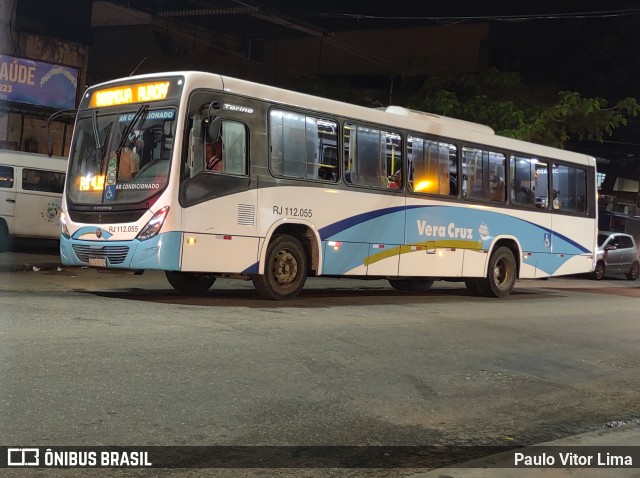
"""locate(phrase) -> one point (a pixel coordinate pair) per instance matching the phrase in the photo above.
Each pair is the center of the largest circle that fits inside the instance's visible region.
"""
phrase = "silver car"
(617, 254)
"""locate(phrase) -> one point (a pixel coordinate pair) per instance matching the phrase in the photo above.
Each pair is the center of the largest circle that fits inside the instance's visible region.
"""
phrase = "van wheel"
(4, 236)
(190, 282)
(598, 273)
(411, 285)
(634, 271)
(285, 269)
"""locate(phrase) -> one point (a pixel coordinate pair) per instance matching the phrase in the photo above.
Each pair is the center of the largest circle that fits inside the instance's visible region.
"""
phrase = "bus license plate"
(98, 262)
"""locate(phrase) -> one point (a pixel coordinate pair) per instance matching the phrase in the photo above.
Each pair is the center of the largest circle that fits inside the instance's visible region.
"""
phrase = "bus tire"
(501, 275)
(4, 236)
(411, 285)
(474, 285)
(285, 269)
(190, 282)
(634, 271)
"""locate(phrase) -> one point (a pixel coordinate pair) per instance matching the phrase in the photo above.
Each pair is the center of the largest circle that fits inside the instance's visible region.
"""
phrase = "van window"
(6, 177)
(39, 180)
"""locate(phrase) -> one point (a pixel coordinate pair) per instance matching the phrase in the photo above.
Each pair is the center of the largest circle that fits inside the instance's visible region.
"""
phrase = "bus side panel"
(37, 214)
(218, 252)
(537, 255)
(344, 258)
(383, 260)
(571, 257)
(475, 263)
(223, 234)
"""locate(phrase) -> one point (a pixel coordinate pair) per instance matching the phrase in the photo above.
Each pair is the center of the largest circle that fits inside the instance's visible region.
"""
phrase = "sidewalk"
(623, 436)
(23, 261)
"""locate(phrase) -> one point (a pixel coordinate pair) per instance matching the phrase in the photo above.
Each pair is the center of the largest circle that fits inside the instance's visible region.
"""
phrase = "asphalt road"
(103, 359)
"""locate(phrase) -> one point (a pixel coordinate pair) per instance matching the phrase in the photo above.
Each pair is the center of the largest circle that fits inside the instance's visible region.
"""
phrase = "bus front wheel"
(285, 269)
(190, 282)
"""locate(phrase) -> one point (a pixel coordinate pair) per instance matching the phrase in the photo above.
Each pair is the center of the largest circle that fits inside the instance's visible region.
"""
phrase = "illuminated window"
(433, 166)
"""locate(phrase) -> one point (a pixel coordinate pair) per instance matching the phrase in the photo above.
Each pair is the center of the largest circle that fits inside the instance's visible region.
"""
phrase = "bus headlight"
(63, 225)
(153, 226)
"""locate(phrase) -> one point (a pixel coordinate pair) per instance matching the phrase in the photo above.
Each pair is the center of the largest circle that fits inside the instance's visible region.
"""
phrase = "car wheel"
(598, 273)
(634, 271)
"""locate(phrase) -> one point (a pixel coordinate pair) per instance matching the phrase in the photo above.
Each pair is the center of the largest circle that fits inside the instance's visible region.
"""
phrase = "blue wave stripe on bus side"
(331, 230)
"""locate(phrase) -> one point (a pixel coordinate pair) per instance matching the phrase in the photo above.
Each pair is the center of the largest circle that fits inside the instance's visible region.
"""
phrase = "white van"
(31, 188)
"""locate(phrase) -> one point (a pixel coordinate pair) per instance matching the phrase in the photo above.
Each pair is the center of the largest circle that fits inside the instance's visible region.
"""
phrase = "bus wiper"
(94, 124)
(142, 111)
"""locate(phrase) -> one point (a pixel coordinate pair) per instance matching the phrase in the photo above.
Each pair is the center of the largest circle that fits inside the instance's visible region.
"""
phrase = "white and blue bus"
(307, 186)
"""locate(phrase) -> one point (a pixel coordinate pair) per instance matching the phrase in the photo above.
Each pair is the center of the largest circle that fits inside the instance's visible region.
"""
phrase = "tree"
(502, 101)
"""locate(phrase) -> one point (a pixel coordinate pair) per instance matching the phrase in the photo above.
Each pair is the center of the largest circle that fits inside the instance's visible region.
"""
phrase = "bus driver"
(213, 153)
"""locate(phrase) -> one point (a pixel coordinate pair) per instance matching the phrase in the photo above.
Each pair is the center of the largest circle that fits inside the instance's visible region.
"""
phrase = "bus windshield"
(121, 157)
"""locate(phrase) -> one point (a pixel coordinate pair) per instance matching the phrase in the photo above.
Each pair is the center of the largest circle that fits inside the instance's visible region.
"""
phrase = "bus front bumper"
(161, 252)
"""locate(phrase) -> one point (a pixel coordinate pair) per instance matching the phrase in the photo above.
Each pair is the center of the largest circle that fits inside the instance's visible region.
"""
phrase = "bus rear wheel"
(285, 270)
(411, 285)
(501, 275)
(190, 282)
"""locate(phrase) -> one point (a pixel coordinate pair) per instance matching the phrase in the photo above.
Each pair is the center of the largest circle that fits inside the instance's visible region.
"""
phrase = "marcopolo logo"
(23, 457)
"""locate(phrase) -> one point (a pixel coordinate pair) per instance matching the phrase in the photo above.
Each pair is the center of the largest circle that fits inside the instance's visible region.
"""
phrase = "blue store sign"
(37, 83)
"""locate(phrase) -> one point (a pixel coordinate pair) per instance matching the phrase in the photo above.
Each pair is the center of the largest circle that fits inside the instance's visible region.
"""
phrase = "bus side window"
(234, 147)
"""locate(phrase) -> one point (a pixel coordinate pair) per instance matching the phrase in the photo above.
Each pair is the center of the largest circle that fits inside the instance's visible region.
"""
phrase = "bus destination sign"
(123, 95)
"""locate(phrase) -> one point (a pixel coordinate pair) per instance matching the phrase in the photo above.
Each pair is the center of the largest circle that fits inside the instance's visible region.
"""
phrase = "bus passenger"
(395, 181)
(496, 188)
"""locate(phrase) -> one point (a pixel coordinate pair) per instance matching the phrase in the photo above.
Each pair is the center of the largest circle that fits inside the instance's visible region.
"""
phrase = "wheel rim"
(599, 270)
(502, 273)
(635, 269)
(285, 267)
